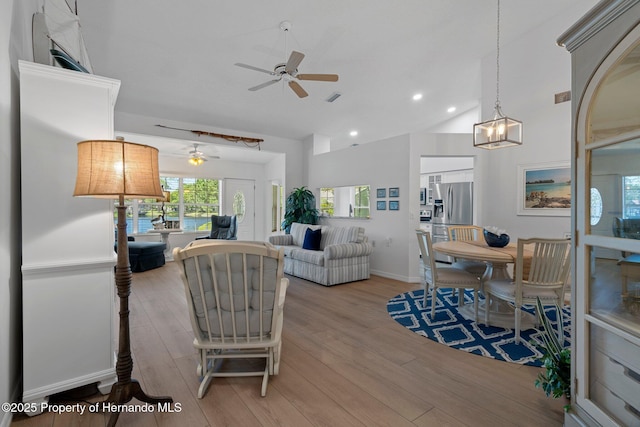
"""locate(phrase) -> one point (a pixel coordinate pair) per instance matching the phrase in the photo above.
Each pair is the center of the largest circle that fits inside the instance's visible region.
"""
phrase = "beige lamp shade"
(111, 169)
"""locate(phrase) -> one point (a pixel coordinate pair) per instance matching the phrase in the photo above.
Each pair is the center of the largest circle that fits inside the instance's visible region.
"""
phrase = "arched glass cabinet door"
(607, 333)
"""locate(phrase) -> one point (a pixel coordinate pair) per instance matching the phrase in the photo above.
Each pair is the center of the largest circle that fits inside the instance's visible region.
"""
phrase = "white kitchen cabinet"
(67, 243)
(432, 179)
(605, 47)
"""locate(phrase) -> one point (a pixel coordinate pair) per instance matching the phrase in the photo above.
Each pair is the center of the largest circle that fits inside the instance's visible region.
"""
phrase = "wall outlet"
(567, 235)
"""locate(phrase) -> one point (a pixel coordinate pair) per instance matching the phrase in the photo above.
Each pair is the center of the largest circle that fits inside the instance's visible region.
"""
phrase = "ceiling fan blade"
(298, 89)
(294, 60)
(251, 67)
(265, 84)
(319, 77)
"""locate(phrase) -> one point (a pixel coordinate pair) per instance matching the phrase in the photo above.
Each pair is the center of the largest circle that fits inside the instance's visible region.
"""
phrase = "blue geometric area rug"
(454, 330)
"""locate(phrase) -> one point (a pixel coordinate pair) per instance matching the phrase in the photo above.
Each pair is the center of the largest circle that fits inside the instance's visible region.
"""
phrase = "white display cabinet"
(605, 49)
(67, 243)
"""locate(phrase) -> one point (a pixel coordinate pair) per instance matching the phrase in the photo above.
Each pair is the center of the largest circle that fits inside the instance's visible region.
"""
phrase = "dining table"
(502, 314)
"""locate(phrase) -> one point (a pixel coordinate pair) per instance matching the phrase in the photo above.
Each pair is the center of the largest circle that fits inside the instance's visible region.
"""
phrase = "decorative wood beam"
(249, 142)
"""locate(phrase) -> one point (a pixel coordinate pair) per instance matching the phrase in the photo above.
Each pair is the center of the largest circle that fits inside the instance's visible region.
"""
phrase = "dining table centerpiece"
(495, 237)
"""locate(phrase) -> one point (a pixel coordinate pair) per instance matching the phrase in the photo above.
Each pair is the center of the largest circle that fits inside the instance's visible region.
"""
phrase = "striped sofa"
(343, 256)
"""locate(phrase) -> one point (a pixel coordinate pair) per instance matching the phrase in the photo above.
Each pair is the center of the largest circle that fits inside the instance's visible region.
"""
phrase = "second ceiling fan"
(289, 73)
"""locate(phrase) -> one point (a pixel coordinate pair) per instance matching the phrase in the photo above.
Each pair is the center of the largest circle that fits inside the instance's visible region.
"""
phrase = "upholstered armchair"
(222, 227)
(626, 228)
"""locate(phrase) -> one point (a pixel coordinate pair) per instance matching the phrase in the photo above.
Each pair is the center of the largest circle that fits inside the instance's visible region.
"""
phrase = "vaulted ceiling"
(176, 59)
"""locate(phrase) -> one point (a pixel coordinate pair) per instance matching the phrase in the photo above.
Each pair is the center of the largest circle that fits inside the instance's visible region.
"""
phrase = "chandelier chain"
(498, 59)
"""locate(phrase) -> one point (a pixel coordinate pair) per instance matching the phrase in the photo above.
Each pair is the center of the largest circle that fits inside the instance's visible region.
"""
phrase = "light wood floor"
(345, 362)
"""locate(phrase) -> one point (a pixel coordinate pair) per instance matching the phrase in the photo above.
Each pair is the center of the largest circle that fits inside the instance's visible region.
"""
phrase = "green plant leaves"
(556, 379)
(300, 207)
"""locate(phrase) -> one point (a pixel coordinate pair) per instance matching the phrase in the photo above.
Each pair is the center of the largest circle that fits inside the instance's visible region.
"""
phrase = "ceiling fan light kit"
(501, 131)
(196, 161)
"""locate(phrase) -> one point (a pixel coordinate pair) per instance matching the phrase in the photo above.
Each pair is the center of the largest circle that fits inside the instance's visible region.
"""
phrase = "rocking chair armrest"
(284, 284)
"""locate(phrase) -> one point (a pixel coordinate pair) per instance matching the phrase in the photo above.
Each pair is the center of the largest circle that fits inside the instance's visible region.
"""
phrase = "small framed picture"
(394, 192)
(394, 205)
(381, 193)
(381, 205)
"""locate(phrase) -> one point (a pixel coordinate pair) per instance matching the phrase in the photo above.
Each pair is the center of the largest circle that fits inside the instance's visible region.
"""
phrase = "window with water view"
(192, 201)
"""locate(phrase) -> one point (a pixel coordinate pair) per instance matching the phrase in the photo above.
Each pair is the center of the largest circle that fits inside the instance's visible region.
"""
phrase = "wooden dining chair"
(444, 277)
(466, 233)
(546, 279)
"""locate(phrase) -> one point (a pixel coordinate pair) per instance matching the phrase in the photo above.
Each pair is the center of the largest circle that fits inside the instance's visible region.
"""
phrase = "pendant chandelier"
(501, 131)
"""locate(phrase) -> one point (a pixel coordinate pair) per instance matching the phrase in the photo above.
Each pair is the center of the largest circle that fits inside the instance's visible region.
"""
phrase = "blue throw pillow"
(312, 239)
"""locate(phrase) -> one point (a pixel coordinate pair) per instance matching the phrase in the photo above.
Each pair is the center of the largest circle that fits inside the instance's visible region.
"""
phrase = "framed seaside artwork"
(544, 189)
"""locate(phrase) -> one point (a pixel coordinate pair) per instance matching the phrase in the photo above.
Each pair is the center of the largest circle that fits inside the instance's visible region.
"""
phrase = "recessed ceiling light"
(451, 109)
(417, 97)
(353, 133)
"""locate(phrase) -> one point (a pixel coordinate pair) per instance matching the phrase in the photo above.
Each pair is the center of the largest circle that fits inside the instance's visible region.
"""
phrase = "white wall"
(380, 164)
(10, 225)
(430, 164)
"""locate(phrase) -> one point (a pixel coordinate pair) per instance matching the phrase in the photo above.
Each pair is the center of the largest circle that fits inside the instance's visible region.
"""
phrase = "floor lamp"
(119, 170)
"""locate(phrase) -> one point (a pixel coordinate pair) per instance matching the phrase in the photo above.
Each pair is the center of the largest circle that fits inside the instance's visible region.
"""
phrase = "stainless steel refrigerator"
(452, 205)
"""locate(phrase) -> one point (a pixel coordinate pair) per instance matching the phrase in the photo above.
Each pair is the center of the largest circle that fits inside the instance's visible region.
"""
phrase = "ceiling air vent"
(334, 96)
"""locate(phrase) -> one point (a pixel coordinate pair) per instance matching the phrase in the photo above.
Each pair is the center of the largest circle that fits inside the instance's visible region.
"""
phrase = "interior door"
(239, 200)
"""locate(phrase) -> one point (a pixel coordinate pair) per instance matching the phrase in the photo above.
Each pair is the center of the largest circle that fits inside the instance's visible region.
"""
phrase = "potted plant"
(556, 359)
(300, 207)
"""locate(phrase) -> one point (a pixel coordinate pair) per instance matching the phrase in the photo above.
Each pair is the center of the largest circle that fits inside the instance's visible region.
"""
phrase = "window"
(192, 201)
(277, 206)
(631, 197)
(201, 200)
(345, 201)
(361, 208)
(596, 206)
(326, 201)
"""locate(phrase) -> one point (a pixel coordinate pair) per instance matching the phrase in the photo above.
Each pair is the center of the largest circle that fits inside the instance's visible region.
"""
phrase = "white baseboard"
(397, 277)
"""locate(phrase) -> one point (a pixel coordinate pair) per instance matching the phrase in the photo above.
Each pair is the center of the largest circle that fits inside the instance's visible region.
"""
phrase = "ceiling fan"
(289, 73)
(197, 157)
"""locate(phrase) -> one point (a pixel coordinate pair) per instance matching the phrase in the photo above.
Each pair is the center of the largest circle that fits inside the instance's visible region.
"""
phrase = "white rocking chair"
(235, 292)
